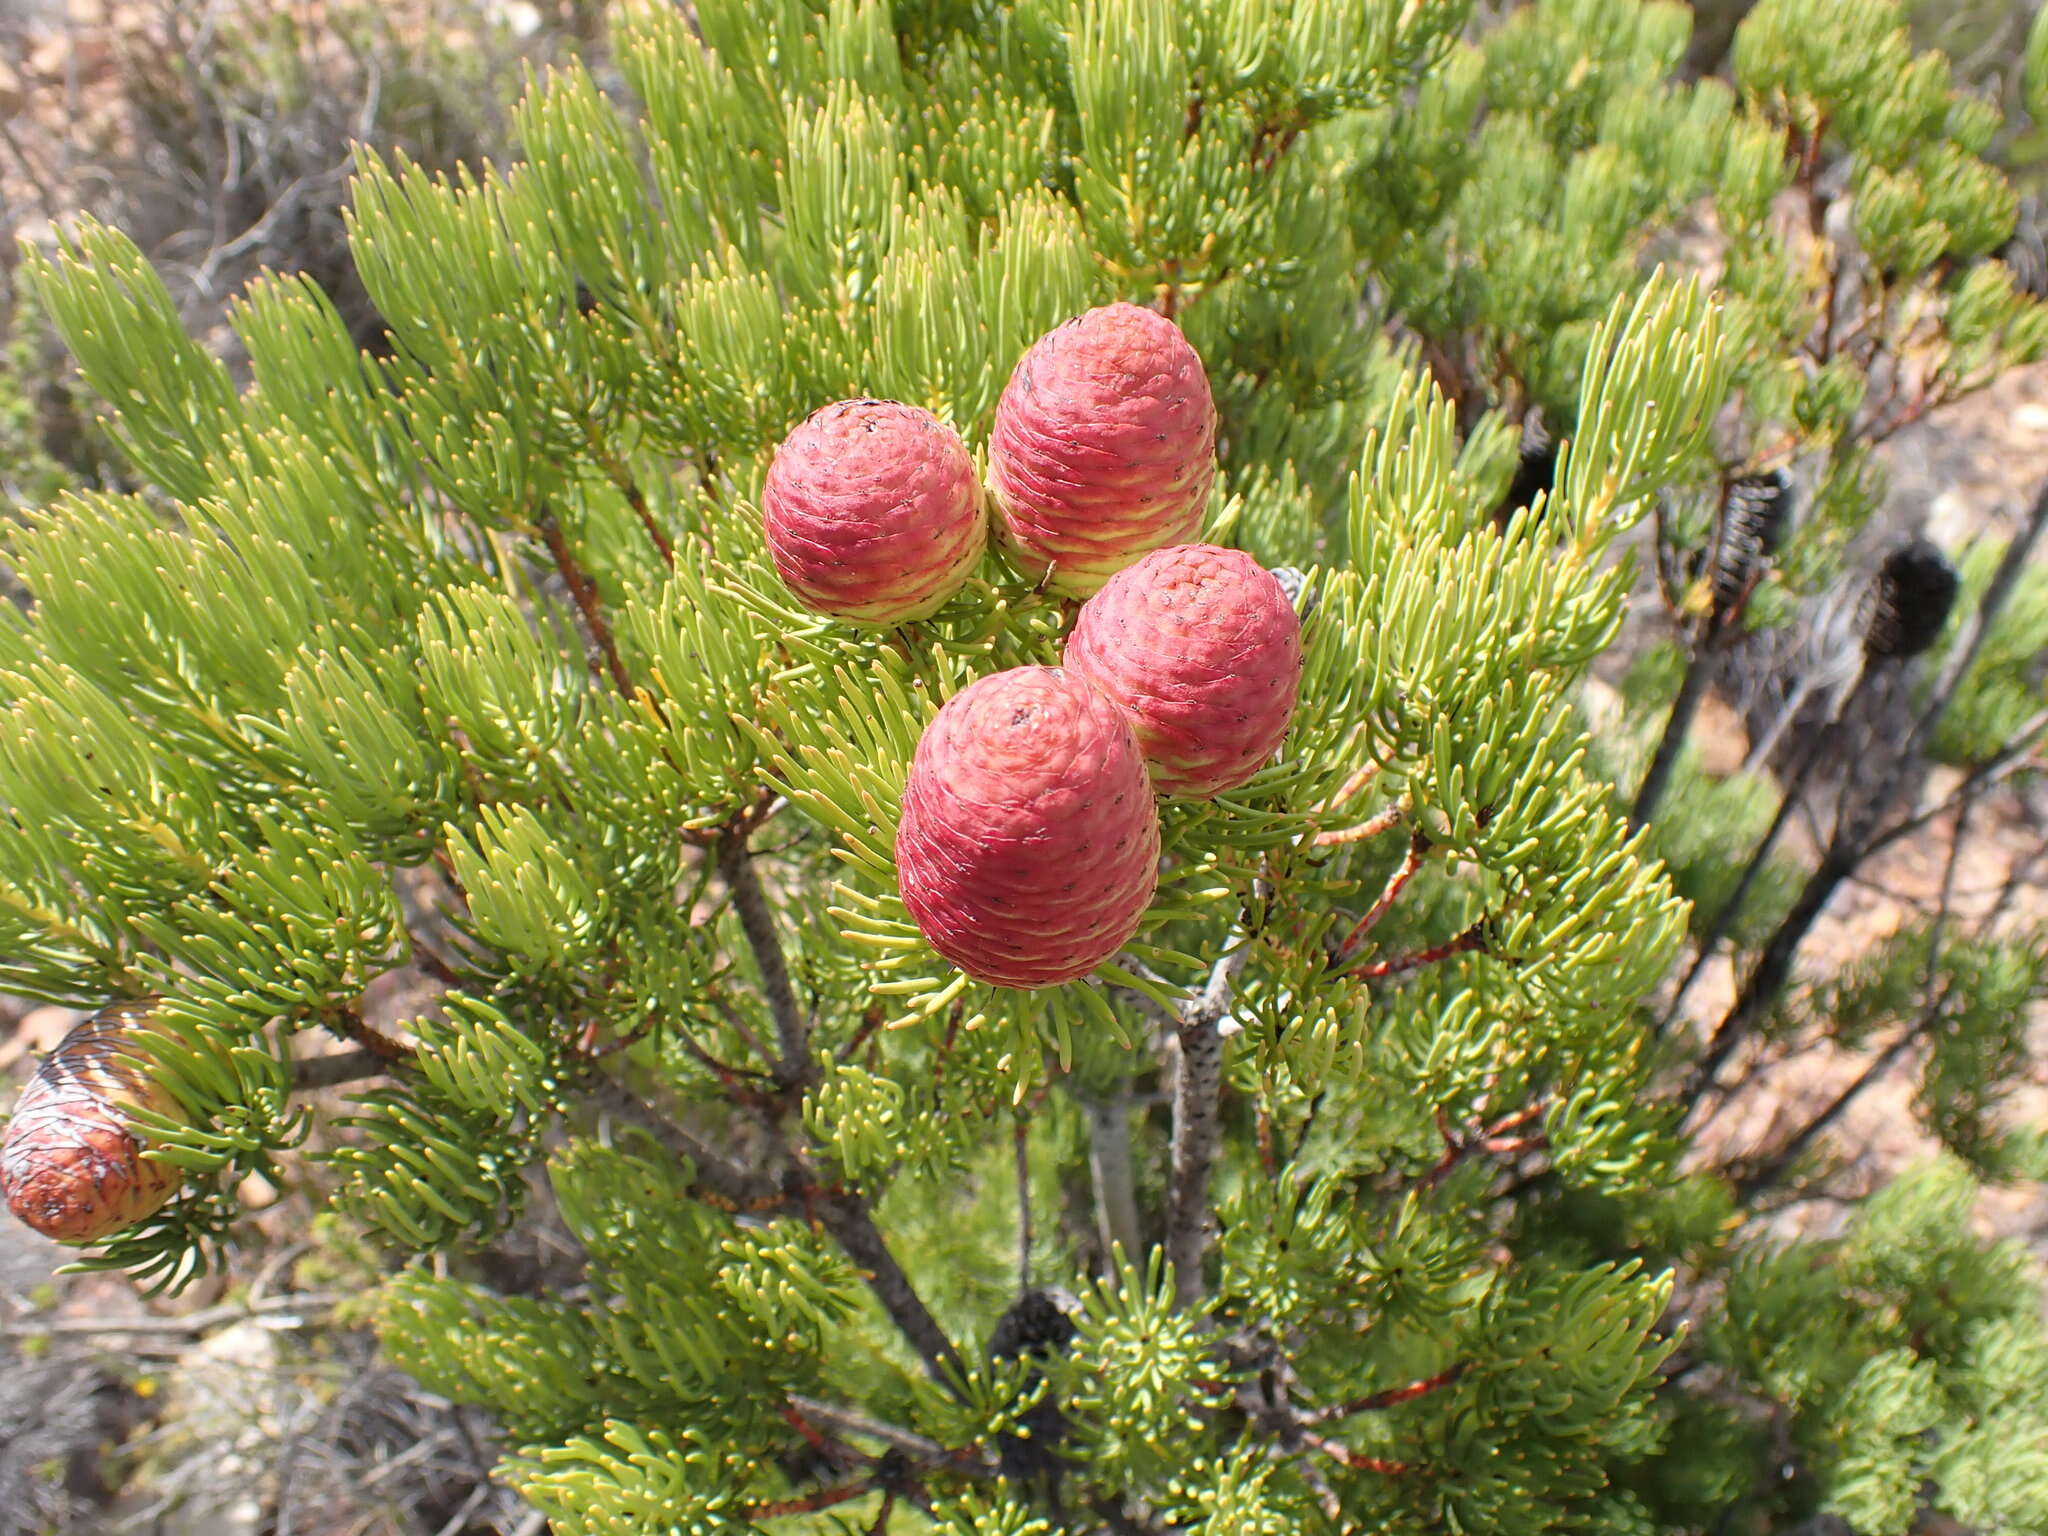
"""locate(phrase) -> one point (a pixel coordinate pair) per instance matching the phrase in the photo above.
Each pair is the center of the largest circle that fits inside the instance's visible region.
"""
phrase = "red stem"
(823, 1499)
(1344, 1456)
(1371, 827)
(1373, 1402)
(584, 592)
(1472, 938)
(1418, 846)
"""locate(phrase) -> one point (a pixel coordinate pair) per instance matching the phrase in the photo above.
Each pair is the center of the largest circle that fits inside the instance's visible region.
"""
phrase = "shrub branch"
(793, 1066)
(583, 592)
(1196, 1127)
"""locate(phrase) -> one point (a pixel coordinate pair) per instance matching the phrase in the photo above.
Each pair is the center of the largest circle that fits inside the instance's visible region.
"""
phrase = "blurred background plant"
(219, 136)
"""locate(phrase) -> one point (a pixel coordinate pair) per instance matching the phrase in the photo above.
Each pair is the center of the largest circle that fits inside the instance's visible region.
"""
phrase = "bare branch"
(845, 1215)
(757, 920)
(1021, 1138)
(1963, 654)
(1768, 1170)
(584, 593)
(718, 1178)
(1109, 1168)
(1692, 692)
(310, 1072)
(1992, 770)
(278, 1311)
(1793, 796)
(1197, 1088)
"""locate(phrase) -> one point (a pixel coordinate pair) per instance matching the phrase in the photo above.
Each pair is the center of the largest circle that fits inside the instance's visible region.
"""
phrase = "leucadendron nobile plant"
(918, 650)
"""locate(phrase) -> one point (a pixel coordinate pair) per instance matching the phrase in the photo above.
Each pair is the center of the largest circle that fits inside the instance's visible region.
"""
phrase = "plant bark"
(1197, 1090)
(310, 1072)
(793, 1067)
(1109, 1167)
(717, 1176)
(846, 1217)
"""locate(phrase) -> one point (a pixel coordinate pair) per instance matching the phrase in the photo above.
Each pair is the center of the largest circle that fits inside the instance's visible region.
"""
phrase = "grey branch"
(740, 1028)
(789, 1183)
(1791, 798)
(1692, 692)
(201, 1321)
(845, 1215)
(1963, 654)
(716, 1174)
(1198, 1086)
(1021, 1145)
(2015, 755)
(757, 921)
(310, 1072)
(1769, 1169)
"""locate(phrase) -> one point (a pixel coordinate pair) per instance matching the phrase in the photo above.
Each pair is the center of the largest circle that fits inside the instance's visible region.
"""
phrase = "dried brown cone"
(1909, 603)
(1754, 512)
(71, 1164)
(1535, 471)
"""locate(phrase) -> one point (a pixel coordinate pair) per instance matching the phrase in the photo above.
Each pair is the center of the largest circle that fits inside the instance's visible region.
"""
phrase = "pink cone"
(1203, 650)
(1029, 846)
(70, 1165)
(1104, 446)
(873, 513)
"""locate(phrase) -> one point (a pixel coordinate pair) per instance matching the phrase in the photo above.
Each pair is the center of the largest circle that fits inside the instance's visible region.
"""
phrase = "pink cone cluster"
(1028, 848)
(873, 513)
(1104, 446)
(1202, 649)
(70, 1166)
